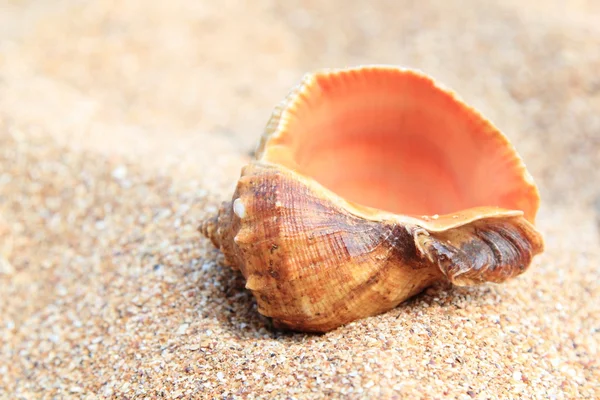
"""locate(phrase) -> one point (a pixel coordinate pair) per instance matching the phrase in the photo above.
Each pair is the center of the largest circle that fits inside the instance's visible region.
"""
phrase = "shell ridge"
(485, 251)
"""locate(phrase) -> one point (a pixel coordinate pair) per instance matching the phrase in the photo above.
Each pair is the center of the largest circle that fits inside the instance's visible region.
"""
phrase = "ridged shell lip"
(446, 158)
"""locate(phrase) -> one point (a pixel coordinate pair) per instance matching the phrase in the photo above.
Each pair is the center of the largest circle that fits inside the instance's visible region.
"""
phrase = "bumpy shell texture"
(369, 185)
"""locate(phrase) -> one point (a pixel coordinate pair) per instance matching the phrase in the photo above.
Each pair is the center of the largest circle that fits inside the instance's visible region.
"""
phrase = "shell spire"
(369, 185)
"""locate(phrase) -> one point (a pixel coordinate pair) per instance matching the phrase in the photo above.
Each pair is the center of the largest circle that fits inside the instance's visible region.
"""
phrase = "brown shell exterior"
(313, 266)
(315, 260)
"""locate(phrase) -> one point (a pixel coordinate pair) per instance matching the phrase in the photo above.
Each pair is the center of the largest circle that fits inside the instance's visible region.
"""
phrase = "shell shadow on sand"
(228, 302)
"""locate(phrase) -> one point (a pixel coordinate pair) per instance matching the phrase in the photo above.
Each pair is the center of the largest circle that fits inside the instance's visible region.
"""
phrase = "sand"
(123, 124)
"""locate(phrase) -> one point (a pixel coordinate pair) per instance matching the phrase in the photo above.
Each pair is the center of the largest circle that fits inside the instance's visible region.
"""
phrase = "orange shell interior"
(392, 139)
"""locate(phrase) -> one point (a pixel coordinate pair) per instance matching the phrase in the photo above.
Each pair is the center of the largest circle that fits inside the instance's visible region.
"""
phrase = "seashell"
(369, 185)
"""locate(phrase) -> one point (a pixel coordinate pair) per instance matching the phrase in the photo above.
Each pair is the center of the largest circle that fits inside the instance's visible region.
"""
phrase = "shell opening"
(393, 140)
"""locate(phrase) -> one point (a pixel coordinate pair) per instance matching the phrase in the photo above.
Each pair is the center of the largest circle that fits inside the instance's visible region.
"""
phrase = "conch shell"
(369, 185)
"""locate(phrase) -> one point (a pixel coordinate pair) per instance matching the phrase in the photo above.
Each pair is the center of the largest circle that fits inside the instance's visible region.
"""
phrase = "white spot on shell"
(278, 203)
(239, 208)
(435, 216)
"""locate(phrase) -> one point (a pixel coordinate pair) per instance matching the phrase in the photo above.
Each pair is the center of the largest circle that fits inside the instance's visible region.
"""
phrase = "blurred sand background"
(122, 124)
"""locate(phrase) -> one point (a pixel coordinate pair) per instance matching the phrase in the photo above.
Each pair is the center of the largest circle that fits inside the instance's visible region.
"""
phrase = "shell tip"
(209, 229)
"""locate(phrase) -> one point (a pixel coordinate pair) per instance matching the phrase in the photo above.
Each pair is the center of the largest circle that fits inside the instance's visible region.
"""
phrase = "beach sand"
(124, 124)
